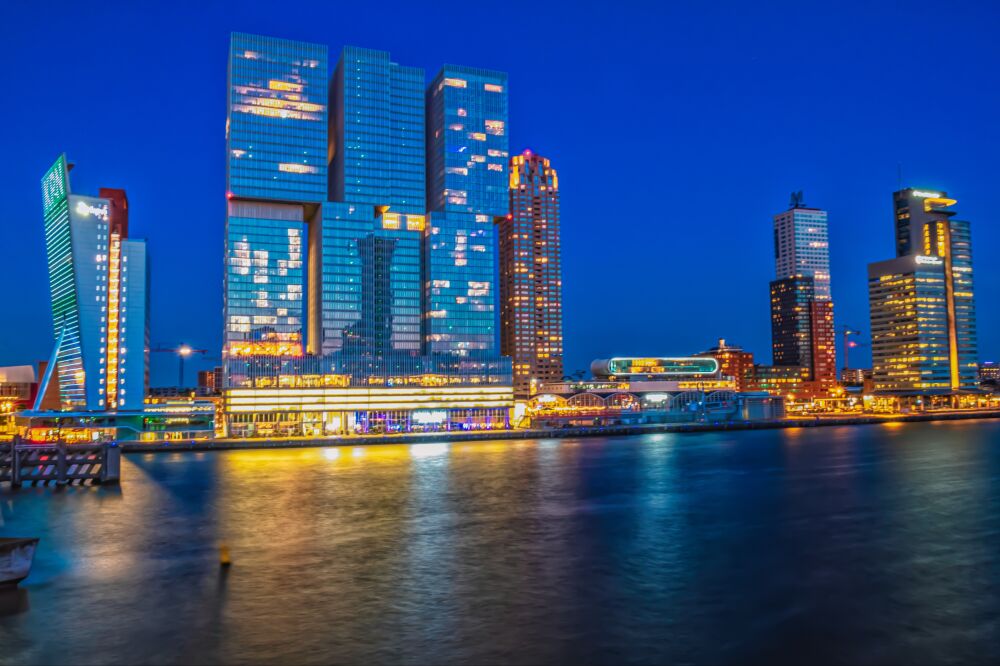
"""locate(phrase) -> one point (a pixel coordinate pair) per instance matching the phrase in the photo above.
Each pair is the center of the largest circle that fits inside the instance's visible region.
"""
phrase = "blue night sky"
(678, 130)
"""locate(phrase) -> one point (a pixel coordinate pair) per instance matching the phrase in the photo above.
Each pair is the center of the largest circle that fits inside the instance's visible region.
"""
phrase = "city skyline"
(651, 328)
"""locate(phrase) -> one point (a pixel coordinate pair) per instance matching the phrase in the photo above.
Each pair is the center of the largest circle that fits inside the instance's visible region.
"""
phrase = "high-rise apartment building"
(530, 275)
(802, 329)
(791, 323)
(923, 316)
(802, 246)
(99, 286)
(467, 155)
(276, 174)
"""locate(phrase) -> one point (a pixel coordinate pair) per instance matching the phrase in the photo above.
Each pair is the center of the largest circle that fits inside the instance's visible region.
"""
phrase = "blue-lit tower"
(98, 281)
(276, 175)
(467, 165)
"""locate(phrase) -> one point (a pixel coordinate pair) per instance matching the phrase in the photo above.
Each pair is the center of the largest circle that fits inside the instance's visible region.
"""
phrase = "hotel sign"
(927, 260)
(86, 209)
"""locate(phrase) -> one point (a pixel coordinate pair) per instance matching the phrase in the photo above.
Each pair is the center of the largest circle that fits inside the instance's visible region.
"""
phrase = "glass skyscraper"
(98, 281)
(276, 140)
(276, 127)
(325, 276)
(923, 313)
(368, 293)
(467, 166)
(801, 245)
(802, 329)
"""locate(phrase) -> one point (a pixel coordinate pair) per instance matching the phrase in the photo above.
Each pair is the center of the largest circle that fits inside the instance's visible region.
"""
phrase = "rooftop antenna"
(796, 200)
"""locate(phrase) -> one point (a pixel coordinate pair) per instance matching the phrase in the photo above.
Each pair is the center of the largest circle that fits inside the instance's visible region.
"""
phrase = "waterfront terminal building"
(650, 390)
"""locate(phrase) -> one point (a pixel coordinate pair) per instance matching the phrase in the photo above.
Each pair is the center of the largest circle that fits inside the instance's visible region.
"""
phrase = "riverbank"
(546, 433)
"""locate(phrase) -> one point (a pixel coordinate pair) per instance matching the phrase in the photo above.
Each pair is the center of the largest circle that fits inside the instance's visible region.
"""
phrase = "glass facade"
(98, 281)
(276, 138)
(909, 320)
(377, 127)
(325, 273)
(62, 284)
(370, 296)
(265, 278)
(802, 247)
(922, 303)
(369, 272)
(276, 126)
(467, 181)
(791, 321)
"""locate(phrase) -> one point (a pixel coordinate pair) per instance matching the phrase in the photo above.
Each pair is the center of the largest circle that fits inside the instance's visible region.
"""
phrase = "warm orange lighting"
(265, 349)
(284, 85)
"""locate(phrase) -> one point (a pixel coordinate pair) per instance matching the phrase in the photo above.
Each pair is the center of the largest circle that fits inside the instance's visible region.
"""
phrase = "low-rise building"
(650, 390)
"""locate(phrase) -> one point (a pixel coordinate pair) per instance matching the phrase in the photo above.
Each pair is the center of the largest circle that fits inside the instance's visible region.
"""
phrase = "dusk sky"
(678, 130)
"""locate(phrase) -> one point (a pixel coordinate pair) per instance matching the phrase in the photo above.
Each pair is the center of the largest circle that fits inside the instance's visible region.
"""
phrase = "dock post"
(15, 465)
(61, 463)
(111, 470)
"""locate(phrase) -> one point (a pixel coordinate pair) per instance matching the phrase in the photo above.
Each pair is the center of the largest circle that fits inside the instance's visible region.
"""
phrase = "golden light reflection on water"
(504, 551)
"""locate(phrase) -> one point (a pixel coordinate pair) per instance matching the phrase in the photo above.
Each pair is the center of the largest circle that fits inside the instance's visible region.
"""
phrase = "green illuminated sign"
(55, 184)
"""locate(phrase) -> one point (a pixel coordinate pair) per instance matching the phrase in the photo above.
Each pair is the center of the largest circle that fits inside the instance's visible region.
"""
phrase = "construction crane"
(182, 352)
(847, 331)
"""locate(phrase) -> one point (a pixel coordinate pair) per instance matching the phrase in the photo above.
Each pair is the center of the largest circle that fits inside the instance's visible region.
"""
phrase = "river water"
(864, 544)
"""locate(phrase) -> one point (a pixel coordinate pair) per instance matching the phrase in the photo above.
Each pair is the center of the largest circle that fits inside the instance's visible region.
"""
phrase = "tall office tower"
(923, 313)
(98, 280)
(530, 275)
(801, 245)
(802, 326)
(802, 331)
(467, 187)
(366, 285)
(276, 140)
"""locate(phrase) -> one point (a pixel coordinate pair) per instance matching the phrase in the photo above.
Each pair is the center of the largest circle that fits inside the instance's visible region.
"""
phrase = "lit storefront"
(331, 396)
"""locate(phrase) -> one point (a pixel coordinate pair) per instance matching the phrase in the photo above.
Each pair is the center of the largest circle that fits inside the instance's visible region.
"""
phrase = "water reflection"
(828, 545)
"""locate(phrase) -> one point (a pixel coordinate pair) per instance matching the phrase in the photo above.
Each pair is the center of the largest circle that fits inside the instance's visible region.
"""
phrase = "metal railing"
(59, 463)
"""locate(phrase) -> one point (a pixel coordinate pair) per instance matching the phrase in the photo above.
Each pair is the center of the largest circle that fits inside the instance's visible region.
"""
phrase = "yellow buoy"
(224, 559)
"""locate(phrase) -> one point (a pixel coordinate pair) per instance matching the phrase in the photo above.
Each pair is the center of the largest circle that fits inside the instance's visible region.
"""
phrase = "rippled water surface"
(873, 544)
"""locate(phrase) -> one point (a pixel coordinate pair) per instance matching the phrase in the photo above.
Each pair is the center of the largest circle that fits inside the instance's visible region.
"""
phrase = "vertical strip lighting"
(114, 290)
(944, 245)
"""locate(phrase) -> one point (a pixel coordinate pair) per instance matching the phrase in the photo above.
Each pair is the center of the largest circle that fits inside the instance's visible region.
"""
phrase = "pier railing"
(59, 463)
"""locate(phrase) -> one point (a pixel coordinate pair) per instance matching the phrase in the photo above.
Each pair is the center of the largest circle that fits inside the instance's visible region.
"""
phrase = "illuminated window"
(494, 127)
(477, 136)
(457, 127)
(456, 83)
(284, 85)
(492, 87)
(291, 167)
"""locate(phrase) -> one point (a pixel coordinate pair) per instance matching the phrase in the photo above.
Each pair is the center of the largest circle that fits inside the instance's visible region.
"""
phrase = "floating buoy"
(224, 559)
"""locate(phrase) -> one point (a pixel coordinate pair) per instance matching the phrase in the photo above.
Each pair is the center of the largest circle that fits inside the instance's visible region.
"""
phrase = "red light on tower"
(229, 195)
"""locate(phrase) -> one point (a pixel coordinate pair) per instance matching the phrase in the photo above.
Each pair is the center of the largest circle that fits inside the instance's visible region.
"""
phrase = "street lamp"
(183, 352)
